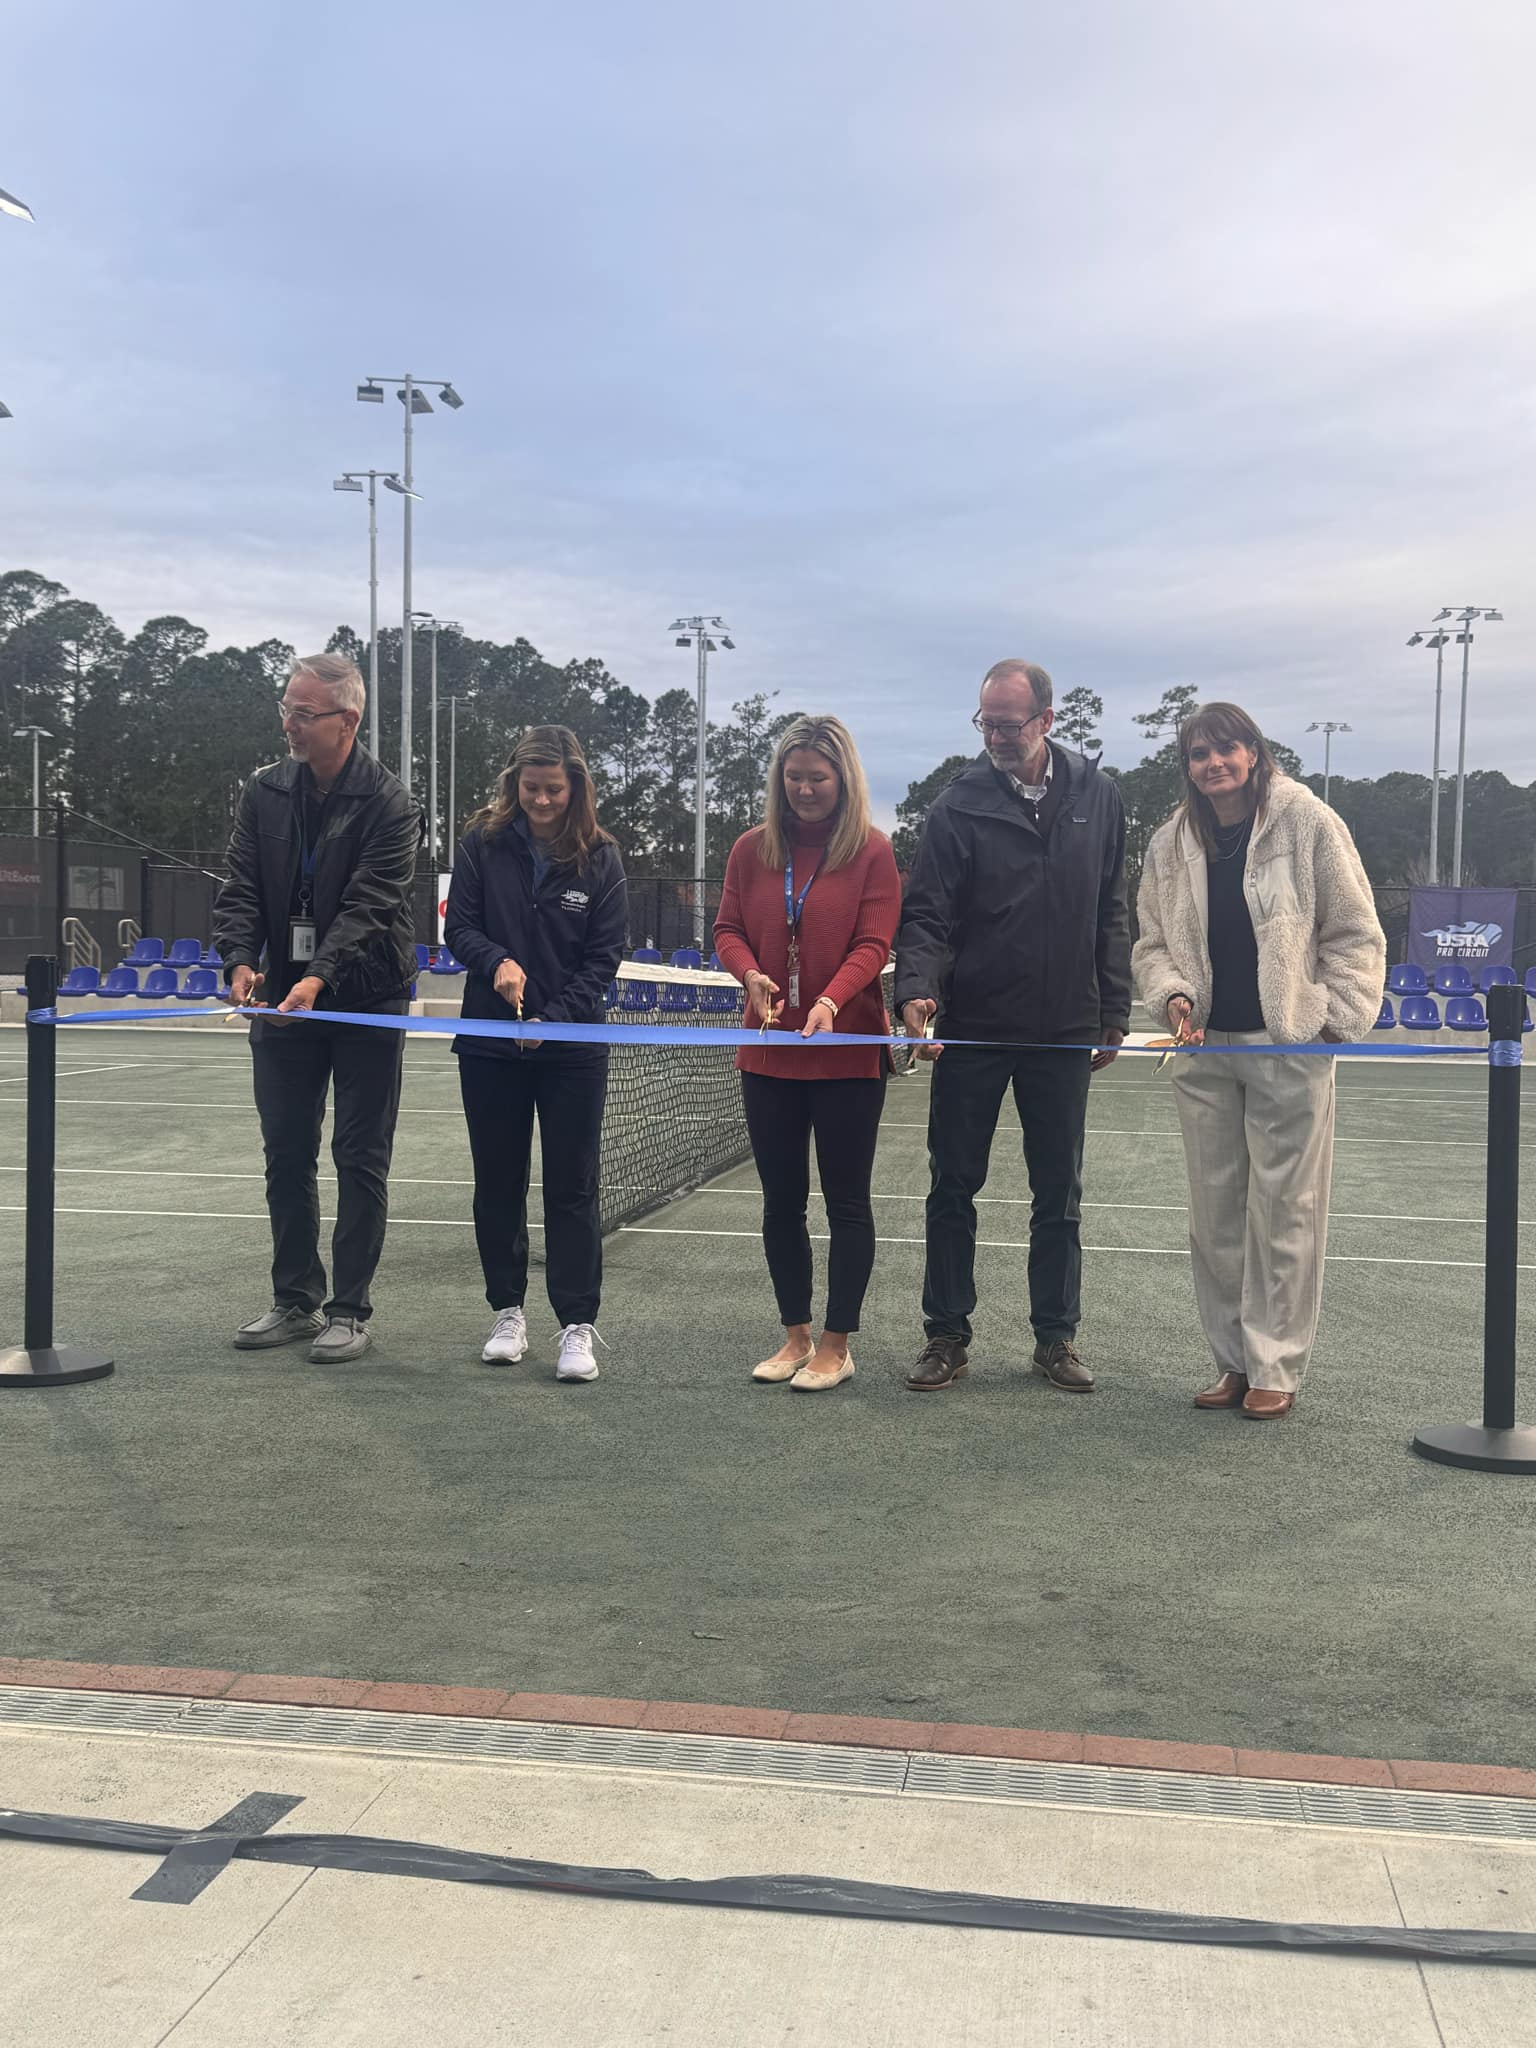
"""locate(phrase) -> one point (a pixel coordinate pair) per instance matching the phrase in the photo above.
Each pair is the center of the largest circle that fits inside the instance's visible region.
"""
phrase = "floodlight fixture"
(419, 400)
(370, 393)
(348, 483)
(5, 411)
(727, 641)
(17, 208)
(393, 483)
(683, 640)
(451, 398)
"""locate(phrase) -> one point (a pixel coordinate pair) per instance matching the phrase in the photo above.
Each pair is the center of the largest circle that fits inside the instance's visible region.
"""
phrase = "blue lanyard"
(794, 905)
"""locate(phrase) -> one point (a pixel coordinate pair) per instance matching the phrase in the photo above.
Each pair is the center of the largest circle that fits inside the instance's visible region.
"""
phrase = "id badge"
(301, 938)
(794, 989)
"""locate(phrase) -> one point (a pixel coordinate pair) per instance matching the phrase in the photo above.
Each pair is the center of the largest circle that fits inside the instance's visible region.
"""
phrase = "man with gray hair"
(1014, 930)
(321, 866)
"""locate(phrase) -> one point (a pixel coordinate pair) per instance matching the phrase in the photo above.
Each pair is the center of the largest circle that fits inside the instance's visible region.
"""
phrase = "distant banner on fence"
(1474, 927)
(443, 883)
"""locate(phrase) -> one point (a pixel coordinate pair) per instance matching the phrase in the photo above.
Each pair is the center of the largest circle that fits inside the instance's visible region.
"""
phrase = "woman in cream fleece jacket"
(1257, 927)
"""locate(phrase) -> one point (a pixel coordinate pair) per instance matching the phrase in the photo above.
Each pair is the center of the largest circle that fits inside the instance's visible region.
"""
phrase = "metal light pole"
(1437, 641)
(696, 632)
(36, 734)
(413, 396)
(453, 774)
(1464, 617)
(352, 480)
(1328, 728)
(434, 626)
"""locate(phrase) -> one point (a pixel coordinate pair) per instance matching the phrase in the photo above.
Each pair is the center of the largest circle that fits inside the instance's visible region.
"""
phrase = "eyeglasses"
(295, 714)
(1004, 728)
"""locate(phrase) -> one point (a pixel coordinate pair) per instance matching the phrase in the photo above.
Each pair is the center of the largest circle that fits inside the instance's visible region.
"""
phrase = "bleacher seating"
(1386, 1019)
(1496, 977)
(679, 995)
(1407, 981)
(1453, 979)
(610, 1001)
(122, 981)
(714, 964)
(687, 956)
(160, 984)
(81, 981)
(185, 953)
(423, 957)
(720, 1001)
(1465, 1013)
(1419, 1013)
(446, 964)
(201, 984)
(213, 958)
(639, 995)
(146, 953)
(651, 955)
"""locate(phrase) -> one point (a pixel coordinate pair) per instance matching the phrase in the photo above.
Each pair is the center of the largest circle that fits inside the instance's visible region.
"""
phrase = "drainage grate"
(871, 1770)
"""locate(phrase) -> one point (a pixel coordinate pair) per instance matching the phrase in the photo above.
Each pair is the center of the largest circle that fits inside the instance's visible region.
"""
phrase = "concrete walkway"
(279, 1956)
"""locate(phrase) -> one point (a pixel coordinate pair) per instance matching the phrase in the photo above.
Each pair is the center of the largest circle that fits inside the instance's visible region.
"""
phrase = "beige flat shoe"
(807, 1382)
(773, 1369)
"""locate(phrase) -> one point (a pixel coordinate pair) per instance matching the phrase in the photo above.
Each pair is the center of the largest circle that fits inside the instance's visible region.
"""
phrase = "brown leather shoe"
(942, 1363)
(1062, 1367)
(1267, 1404)
(1228, 1392)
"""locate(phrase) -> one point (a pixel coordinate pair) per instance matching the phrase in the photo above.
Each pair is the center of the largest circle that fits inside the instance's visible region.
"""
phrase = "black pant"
(1050, 1090)
(845, 1118)
(292, 1066)
(500, 1097)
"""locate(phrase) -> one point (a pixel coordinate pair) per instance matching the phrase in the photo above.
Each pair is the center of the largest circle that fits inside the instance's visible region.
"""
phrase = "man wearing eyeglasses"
(321, 867)
(1014, 930)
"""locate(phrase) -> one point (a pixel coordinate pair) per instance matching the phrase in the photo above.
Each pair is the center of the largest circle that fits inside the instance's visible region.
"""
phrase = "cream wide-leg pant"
(1258, 1141)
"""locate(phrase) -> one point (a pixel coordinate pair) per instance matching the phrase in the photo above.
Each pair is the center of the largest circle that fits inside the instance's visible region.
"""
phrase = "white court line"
(117, 1067)
(1176, 1138)
(1150, 1251)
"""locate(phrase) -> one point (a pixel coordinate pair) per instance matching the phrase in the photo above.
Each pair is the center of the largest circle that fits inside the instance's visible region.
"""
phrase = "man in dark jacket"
(1014, 929)
(321, 866)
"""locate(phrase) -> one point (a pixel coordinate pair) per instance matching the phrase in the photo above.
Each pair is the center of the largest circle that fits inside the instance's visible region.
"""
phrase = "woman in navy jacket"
(536, 911)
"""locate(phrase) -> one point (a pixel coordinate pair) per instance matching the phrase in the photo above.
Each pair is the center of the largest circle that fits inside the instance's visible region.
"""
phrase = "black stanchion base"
(51, 1367)
(1480, 1449)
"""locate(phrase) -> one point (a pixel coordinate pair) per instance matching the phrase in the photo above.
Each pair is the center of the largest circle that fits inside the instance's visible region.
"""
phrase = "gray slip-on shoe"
(279, 1326)
(342, 1338)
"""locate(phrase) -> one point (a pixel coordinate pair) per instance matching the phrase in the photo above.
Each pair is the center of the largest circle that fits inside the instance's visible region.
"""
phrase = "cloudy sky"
(1187, 343)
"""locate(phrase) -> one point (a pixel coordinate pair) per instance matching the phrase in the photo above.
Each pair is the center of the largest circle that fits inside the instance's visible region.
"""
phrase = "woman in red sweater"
(807, 917)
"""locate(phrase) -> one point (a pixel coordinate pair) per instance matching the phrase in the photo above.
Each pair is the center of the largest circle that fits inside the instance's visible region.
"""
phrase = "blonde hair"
(548, 746)
(830, 738)
(341, 677)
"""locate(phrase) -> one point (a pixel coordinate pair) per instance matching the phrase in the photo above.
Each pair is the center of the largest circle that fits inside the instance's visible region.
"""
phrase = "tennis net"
(674, 1118)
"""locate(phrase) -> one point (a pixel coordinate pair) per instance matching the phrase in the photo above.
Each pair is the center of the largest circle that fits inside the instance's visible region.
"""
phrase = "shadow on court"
(1000, 1552)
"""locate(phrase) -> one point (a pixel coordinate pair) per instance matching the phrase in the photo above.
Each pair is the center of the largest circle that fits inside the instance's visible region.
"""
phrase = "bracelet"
(829, 1003)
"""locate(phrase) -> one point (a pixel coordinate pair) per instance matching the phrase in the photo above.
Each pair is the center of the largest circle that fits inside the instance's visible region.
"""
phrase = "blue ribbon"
(771, 1041)
(1505, 1052)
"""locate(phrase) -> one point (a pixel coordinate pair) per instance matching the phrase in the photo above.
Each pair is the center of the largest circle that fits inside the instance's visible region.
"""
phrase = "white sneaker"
(508, 1341)
(576, 1357)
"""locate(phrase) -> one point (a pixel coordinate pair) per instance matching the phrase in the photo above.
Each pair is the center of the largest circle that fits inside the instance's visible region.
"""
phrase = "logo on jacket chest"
(574, 900)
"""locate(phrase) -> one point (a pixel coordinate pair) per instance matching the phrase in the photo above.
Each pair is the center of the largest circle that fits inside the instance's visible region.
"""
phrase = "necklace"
(1241, 830)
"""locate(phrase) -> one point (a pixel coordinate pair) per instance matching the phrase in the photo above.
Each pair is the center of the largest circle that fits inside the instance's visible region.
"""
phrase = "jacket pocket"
(1272, 890)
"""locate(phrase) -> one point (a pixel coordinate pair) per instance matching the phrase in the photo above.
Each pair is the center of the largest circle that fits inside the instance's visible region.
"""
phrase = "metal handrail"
(129, 933)
(80, 943)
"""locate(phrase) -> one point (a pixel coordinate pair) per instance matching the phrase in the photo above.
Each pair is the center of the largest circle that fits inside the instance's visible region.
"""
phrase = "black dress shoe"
(942, 1363)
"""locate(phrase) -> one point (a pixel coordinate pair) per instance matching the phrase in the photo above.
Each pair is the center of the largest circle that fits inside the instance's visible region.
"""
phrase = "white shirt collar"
(1033, 791)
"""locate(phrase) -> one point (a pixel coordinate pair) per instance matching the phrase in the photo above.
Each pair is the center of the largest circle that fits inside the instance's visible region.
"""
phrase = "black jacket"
(1017, 936)
(365, 868)
(567, 934)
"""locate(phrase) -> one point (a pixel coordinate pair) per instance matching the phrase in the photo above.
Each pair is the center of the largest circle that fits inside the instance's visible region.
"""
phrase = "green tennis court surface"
(1001, 1552)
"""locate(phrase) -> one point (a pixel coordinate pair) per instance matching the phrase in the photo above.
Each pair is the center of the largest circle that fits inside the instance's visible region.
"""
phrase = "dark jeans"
(292, 1066)
(500, 1097)
(844, 1117)
(1050, 1090)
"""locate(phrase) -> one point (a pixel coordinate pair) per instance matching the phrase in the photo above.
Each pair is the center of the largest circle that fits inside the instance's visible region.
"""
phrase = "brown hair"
(548, 746)
(1222, 725)
(830, 738)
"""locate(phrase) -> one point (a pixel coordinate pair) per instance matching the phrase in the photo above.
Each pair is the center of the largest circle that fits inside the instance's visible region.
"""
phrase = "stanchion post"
(1498, 1443)
(37, 1361)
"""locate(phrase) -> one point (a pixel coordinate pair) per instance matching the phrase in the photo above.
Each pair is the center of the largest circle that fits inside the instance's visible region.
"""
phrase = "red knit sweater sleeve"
(737, 953)
(874, 930)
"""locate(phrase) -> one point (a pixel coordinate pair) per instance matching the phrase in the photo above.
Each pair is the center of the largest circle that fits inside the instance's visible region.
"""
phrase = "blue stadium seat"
(687, 956)
(81, 981)
(1496, 977)
(679, 996)
(146, 953)
(650, 954)
(720, 1001)
(1465, 1013)
(446, 964)
(423, 957)
(611, 1000)
(1530, 981)
(1453, 979)
(1386, 1018)
(1419, 1013)
(639, 995)
(1407, 981)
(185, 953)
(122, 981)
(714, 964)
(212, 957)
(199, 985)
(160, 983)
